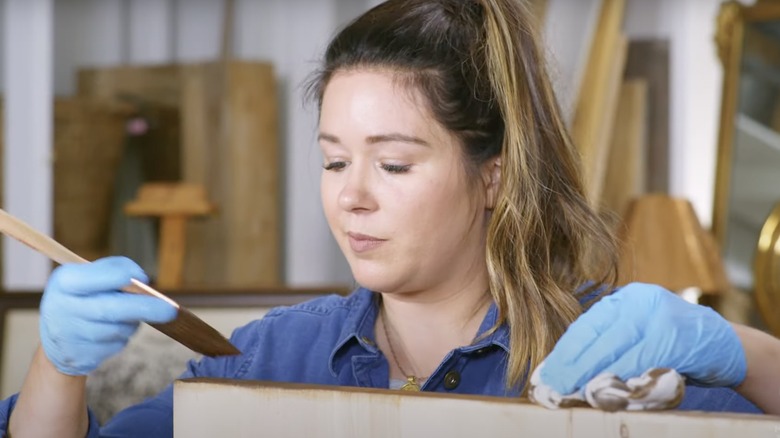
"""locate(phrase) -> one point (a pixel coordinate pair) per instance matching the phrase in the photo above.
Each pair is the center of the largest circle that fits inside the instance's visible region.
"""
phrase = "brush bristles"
(195, 334)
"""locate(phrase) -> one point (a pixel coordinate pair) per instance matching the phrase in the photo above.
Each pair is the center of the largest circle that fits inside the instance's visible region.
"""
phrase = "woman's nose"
(356, 194)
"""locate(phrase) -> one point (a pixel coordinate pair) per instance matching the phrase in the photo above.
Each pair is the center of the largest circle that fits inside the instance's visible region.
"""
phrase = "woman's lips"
(363, 243)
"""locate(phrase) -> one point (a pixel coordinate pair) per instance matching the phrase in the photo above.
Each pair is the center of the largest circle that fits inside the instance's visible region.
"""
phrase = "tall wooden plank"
(625, 172)
(252, 175)
(649, 60)
(597, 99)
(202, 119)
(231, 146)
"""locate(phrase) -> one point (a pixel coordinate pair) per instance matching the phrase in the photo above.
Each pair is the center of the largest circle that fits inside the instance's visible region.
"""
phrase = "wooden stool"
(173, 204)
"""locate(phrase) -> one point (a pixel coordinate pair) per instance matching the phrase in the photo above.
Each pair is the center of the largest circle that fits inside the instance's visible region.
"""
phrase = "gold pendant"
(411, 384)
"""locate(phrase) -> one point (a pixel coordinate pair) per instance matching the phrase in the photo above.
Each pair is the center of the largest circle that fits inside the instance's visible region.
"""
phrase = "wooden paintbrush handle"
(14, 227)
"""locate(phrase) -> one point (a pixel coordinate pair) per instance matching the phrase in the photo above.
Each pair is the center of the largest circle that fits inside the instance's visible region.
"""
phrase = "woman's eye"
(396, 168)
(335, 166)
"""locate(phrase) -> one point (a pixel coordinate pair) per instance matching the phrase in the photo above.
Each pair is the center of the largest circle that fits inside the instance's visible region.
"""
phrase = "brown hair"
(480, 66)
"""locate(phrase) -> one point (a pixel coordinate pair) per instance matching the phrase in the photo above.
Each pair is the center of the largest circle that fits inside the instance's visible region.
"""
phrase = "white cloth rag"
(655, 389)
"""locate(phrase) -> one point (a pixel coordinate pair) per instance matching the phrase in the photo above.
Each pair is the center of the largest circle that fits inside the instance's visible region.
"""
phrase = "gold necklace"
(412, 383)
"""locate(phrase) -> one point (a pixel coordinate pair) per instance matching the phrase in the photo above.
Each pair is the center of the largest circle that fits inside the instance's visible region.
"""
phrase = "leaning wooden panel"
(252, 176)
(229, 111)
(624, 176)
(598, 95)
(215, 407)
(159, 84)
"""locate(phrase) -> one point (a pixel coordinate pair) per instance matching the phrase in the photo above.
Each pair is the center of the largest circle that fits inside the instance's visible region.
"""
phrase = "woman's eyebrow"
(396, 137)
(381, 138)
(328, 137)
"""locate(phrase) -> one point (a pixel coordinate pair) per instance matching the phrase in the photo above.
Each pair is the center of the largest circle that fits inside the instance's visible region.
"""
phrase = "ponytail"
(542, 228)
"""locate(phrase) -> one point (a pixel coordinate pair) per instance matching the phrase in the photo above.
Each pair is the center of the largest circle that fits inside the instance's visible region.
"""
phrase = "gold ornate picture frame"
(747, 181)
(729, 38)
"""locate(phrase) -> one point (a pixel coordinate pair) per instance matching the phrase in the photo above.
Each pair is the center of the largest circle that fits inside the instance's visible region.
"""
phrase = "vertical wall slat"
(27, 171)
(150, 35)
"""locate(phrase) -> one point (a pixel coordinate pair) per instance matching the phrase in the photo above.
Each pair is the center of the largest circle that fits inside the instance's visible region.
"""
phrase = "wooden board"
(158, 83)
(597, 99)
(231, 146)
(649, 60)
(229, 122)
(625, 173)
(207, 408)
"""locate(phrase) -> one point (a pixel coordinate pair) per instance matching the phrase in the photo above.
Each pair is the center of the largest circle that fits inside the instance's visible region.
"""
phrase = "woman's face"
(394, 188)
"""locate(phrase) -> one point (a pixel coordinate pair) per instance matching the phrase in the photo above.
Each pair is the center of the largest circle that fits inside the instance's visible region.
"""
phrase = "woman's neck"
(423, 327)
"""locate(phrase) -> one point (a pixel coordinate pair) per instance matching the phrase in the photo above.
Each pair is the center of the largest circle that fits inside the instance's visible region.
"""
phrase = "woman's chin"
(376, 281)
(375, 284)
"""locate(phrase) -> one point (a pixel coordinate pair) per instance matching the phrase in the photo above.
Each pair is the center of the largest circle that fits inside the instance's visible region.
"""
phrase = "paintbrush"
(187, 329)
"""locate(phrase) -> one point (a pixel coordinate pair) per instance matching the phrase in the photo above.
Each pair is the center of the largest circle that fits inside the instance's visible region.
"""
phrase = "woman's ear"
(491, 176)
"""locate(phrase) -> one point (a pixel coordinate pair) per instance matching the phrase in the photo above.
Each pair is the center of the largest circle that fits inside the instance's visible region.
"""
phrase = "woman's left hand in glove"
(642, 326)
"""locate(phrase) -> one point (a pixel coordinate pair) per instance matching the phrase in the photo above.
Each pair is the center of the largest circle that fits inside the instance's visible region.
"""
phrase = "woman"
(453, 189)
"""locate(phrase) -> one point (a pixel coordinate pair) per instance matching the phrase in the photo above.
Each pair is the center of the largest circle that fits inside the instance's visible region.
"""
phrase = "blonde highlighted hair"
(481, 68)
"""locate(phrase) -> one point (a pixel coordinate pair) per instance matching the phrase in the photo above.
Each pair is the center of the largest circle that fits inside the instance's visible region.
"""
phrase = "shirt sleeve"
(699, 398)
(152, 418)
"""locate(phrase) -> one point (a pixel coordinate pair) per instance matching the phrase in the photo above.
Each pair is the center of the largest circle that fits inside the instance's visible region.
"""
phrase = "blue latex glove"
(85, 319)
(643, 326)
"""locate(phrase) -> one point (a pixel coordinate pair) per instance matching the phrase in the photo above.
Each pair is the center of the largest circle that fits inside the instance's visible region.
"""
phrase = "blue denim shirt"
(331, 341)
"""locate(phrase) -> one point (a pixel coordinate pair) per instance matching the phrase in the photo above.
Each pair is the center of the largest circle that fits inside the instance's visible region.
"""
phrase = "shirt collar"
(359, 325)
(499, 337)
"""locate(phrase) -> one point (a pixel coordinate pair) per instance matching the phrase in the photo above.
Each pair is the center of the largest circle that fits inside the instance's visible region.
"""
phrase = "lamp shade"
(664, 243)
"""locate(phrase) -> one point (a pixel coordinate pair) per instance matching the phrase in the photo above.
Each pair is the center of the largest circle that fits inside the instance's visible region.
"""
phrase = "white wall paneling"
(198, 29)
(149, 27)
(86, 33)
(697, 76)
(27, 172)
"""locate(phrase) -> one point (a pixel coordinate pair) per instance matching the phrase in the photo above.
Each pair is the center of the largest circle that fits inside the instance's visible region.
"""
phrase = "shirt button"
(451, 380)
(367, 341)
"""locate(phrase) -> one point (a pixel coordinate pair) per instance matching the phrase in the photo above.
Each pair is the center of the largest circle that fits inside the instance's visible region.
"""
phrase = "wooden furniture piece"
(664, 243)
(173, 204)
(207, 408)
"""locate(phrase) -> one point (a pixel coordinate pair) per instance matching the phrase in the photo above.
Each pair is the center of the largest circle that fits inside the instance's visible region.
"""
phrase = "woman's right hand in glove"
(85, 318)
